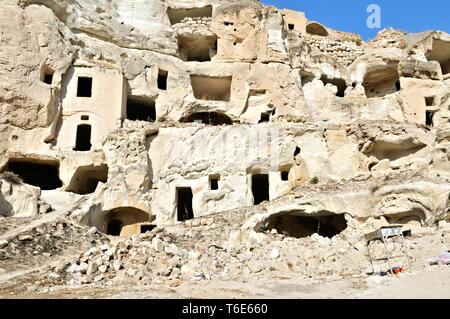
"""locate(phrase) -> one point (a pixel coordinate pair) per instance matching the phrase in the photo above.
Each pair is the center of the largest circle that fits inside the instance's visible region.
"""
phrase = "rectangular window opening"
(84, 87)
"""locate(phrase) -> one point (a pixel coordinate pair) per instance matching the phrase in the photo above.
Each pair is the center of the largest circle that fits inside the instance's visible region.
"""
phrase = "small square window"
(84, 87)
(85, 117)
(291, 26)
(429, 100)
(214, 182)
(48, 78)
(285, 176)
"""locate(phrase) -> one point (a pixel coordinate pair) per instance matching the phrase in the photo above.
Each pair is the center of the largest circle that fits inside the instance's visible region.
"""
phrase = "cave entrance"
(184, 204)
(300, 226)
(209, 118)
(381, 82)
(197, 49)
(140, 109)
(118, 219)
(114, 227)
(86, 179)
(211, 88)
(260, 188)
(83, 142)
(44, 175)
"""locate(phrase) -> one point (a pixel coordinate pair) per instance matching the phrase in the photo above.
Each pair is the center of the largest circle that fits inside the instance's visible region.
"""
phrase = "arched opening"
(298, 225)
(209, 118)
(86, 179)
(120, 220)
(83, 142)
(315, 28)
(44, 175)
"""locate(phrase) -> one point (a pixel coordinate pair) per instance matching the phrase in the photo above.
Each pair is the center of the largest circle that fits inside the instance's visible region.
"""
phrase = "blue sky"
(351, 15)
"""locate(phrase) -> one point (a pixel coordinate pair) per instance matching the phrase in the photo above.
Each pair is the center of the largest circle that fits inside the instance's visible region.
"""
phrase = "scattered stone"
(275, 253)
(25, 238)
(83, 267)
(54, 276)
(172, 249)
(158, 244)
(3, 243)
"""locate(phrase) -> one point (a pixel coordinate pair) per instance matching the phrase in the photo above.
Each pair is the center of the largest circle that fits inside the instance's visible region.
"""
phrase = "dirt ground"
(433, 283)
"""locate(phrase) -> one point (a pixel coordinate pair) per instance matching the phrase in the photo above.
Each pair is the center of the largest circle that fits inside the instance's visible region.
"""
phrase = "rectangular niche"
(211, 88)
(141, 109)
(197, 48)
(178, 15)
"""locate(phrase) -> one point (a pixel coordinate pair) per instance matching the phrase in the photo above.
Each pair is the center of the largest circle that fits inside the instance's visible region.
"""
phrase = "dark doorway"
(285, 176)
(141, 110)
(48, 78)
(260, 188)
(184, 204)
(83, 143)
(214, 182)
(114, 227)
(84, 87)
(42, 175)
(162, 79)
(429, 118)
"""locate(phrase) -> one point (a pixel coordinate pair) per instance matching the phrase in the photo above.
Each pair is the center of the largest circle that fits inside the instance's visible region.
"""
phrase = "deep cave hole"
(44, 175)
(260, 188)
(299, 226)
(139, 109)
(184, 204)
(48, 78)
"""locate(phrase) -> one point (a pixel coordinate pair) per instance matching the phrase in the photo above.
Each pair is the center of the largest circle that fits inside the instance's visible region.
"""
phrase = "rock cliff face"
(158, 112)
